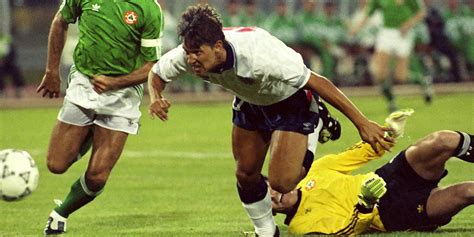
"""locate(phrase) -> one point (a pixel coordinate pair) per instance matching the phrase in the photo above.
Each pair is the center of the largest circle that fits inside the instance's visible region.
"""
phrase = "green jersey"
(116, 37)
(395, 12)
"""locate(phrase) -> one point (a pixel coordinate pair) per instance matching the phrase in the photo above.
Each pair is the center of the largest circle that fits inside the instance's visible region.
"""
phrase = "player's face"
(202, 59)
(283, 202)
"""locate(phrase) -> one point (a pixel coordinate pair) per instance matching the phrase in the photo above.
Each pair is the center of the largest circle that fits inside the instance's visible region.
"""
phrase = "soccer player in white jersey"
(271, 110)
(119, 43)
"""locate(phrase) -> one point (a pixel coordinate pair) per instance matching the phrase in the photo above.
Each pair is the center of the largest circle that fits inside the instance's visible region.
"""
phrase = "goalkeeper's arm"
(371, 190)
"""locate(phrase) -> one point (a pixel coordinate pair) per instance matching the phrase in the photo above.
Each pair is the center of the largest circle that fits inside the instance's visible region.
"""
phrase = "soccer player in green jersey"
(395, 39)
(118, 44)
(459, 28)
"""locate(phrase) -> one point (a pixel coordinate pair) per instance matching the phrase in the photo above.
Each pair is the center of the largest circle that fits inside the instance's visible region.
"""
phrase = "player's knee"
(247, 178)
(445, 140)
(377, 71)
(56, 167)
(96, 180)
(282, 185)
(467, 192)
(401, 75)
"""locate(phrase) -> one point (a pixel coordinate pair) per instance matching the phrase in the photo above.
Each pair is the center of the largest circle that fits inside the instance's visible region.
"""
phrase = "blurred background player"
(253, 16)
(459, 18)
(104, 91)
(401, 195)
(334, 36)
(281, 23)
(395, 39)
(272, 111)
(439, 41)
(310, 36)
(8, 60)
(233, 15)
(361, 46)
(421, 66)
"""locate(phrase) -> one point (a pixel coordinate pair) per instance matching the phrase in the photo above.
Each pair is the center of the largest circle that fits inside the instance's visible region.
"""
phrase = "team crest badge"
(310, 184)
(130, 17)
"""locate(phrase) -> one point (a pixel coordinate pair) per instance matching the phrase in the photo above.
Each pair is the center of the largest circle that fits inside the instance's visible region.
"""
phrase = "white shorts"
(123, 102)
(79, 116)
(392, 42)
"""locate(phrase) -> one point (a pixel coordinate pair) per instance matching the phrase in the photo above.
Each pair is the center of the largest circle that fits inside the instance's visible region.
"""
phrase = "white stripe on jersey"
(151, 42)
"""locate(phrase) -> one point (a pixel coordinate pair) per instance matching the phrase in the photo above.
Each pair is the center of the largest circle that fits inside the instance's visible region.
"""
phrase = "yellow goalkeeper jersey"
(329, 195)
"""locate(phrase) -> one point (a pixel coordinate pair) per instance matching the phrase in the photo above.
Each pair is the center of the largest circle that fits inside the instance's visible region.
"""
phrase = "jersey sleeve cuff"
(156, 69)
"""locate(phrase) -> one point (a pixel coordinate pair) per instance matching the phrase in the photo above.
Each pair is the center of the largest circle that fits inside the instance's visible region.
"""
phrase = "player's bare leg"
(379, 66)
(107, 147)
(379, 69)
(287, 152)
(401, 69)
(429, 155)
(250, 148)
(64, 145)
(428, 158)
(446, 202)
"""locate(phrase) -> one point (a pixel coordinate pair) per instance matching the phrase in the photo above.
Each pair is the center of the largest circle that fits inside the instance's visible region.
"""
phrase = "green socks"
(79, 196)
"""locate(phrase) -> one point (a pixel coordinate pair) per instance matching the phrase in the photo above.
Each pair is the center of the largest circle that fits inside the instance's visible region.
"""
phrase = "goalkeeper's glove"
(371, 190)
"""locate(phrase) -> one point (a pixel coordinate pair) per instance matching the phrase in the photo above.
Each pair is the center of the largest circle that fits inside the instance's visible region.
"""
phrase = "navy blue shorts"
(403, 207)
(298, 113)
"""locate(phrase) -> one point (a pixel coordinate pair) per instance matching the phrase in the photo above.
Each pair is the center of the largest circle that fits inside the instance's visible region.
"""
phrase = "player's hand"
(372, 189)
(103, 83)
(159, 108)
(50, 85)
(374, 134)
(404, 29)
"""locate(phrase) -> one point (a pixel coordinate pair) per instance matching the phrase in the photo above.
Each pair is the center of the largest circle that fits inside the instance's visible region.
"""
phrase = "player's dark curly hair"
(200, 24)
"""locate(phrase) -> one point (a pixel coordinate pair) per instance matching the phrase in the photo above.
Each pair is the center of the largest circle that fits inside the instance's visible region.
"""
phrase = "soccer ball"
(18, 174)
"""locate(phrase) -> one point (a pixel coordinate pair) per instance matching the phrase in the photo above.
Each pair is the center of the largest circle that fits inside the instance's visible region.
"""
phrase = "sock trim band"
(463, 144)
(86, 189)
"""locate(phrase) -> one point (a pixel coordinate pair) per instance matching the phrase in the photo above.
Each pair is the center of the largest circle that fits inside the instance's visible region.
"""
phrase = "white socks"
(261, 215)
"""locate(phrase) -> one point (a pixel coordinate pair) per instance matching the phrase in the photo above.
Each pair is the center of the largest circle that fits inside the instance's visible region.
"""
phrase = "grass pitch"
(176, 178)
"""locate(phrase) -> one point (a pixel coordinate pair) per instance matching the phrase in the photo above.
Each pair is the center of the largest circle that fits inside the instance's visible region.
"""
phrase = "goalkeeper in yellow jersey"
(401, 195)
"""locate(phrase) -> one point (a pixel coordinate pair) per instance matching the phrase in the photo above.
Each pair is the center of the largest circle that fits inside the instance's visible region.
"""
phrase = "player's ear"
(219, 45)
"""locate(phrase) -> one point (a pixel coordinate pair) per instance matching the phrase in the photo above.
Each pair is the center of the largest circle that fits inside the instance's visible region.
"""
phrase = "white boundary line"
(159, 153)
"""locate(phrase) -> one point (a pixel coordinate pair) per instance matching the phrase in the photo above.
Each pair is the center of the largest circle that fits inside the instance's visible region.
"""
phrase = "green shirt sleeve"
(152, 33)
(70, 10)
(415, 5)
(373, 6)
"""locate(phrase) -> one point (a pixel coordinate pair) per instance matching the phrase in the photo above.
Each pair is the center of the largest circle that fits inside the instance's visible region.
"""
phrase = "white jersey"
(265, 70)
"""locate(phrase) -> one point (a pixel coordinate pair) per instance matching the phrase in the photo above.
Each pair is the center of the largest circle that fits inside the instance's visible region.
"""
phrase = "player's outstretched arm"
(50, 84)
(415, 19)
(369, 131)
(158, 104)
(103, 83)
